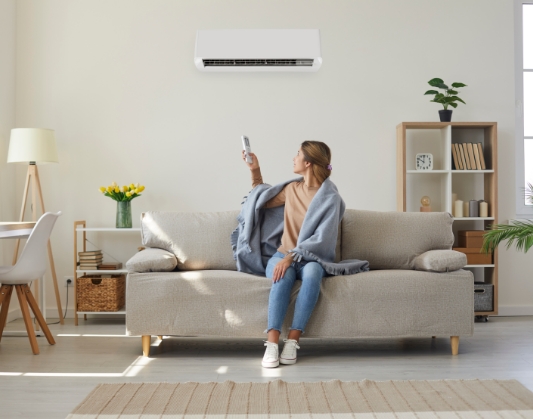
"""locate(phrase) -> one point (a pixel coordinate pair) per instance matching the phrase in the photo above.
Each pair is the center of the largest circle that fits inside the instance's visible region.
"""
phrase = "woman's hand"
(254, 164)
(281, 268)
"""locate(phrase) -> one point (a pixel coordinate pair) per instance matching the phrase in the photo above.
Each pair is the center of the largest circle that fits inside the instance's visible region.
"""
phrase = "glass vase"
(123, 214)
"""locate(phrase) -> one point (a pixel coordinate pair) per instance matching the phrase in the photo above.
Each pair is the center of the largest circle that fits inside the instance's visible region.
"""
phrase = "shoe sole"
(287, 361)
(270, 364)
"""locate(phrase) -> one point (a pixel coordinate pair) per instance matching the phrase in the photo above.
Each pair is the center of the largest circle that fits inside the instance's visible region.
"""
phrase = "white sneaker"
(271, 358)
(288, 356)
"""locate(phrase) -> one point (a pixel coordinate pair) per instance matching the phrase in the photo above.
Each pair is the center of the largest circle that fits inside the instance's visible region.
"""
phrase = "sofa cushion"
(440, 261)
(199, 240)
(392, 240)
(152, 260)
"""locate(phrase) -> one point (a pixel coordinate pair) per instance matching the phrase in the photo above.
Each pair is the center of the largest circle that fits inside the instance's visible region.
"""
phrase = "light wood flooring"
(51, 384)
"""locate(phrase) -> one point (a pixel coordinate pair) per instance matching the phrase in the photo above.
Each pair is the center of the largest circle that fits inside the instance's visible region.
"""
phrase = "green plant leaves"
(520, 233)
(431, 92)
(458, 84)
(436, 82)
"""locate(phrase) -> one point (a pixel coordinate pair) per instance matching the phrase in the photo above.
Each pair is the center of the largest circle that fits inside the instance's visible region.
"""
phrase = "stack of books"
(90, 260)
(110, 266)
(468, 156)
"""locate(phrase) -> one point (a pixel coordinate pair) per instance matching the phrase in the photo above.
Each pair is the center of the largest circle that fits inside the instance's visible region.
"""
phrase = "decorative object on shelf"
(90, 260)
(518, 232)
(426, 204)
(448, 98)
(424, 161)
(32, 146)
(123, 198)
(101, 292)
(483, 209)
(466, 209)
(473, 208)
(458, 209)
(474, 255)
(471, 238)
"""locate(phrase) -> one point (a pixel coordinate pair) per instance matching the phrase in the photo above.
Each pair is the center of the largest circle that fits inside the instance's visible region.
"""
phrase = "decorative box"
(470, 238)
(483, 297)
(101, 292)
(474, 256)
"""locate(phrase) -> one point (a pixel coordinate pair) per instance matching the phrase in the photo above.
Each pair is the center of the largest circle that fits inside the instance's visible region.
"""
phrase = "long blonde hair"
(319, 155)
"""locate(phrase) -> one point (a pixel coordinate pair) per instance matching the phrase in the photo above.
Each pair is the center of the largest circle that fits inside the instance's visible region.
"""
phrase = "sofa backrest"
(200, 240)
(392, 240)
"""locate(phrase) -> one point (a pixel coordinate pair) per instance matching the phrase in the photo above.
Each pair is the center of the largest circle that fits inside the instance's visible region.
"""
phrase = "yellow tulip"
(102, 189)
(132, 186)
(128, 194)
(140, 188)
(117, 189)
(125, 188)
(136, 191)
(109, 189)
(114, 184)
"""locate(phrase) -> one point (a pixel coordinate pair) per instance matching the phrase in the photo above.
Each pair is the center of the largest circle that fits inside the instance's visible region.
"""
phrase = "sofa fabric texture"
(392, 240)
(440, 261)
(152, 260)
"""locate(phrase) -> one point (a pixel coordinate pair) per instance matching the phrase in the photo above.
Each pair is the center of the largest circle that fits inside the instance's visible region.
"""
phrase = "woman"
(286, 266)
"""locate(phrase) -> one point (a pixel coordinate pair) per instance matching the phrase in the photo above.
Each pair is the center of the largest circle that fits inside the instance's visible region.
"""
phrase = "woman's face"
(299, 164)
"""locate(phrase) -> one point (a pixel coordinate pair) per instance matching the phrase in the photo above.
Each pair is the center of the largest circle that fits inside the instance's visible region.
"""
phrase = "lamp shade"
(32, 145)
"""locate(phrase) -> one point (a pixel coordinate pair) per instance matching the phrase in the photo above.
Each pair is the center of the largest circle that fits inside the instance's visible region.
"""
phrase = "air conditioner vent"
(259, 62)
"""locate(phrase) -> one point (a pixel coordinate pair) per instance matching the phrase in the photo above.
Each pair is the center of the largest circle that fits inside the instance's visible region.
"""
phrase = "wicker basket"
(101, 292)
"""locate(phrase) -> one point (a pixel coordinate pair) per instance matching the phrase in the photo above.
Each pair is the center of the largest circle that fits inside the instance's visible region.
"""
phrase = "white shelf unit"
(80, 228)
(439, 184)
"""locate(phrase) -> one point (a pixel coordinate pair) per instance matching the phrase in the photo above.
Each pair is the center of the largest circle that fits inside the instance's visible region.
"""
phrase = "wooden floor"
(51, 384)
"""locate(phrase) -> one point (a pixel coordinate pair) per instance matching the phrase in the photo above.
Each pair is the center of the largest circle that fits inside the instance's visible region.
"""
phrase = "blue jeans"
(311, 274)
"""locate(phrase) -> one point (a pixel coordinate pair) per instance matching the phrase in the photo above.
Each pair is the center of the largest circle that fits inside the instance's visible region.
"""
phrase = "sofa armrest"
(152, 259)
(440, 261)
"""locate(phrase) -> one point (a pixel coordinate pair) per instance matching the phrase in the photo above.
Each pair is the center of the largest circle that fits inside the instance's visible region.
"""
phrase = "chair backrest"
(32, 261)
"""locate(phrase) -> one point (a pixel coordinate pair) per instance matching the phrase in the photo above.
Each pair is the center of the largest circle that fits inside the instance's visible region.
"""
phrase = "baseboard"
(14, 314)
(504, 311)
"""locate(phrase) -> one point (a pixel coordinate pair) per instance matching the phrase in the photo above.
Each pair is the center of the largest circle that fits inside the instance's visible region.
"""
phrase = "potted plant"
(123, 198)
(448, 98)
(519, 232)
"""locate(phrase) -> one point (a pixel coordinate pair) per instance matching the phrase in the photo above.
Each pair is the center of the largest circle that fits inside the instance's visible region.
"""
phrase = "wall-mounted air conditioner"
(258, 50)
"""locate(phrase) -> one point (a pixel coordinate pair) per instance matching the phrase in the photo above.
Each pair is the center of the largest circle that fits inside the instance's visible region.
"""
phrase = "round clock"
(424, 161)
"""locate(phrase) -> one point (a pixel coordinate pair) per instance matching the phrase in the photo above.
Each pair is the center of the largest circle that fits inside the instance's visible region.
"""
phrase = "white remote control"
(246, 148)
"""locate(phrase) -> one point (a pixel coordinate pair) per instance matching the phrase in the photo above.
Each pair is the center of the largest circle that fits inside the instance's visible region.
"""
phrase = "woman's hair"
(319, 154)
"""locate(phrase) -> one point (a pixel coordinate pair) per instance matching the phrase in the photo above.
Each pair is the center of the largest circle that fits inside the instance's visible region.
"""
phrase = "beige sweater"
(296, 197)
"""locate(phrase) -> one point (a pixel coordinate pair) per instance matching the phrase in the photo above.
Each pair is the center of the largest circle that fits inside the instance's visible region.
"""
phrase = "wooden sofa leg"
(147, 339)
(454, 341)
(160, 337)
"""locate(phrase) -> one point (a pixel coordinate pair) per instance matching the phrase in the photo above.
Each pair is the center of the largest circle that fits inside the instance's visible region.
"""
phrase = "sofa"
(185, 282)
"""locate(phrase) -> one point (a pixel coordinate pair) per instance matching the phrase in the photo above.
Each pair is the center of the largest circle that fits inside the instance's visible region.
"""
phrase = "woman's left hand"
(281, 268)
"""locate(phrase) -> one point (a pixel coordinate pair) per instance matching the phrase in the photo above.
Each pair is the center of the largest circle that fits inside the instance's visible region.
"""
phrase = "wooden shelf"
(437, 138)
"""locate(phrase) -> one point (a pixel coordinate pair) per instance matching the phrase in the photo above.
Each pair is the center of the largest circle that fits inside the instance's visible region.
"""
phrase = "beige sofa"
(186, 283)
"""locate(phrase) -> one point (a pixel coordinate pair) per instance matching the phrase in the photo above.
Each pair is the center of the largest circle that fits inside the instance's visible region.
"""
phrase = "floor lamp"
(32, 145)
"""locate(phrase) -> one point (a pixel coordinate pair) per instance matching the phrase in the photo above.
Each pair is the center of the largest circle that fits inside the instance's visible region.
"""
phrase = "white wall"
(7, 119)
(116, 80)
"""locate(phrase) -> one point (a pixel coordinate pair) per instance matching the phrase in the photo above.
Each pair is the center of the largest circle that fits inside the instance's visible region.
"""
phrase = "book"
(89, 258)
(459, 158)
(471, 155)
(481, 156)
(476, 156)
(90, 253)
(466, 160)
(111, 265)
(455, 159)
(88, 267)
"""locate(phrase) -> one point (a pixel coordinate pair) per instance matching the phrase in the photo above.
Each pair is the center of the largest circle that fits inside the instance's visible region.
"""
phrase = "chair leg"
(27, 319)
(5, 298)
(38, 315)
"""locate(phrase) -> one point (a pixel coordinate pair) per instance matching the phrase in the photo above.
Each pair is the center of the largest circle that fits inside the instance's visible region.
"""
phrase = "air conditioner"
(258, 50)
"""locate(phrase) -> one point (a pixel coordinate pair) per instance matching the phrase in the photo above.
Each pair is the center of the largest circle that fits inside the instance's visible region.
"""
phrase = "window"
(524, 98)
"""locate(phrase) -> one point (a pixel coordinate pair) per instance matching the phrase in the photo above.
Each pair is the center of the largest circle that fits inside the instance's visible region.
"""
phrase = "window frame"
(522, 210)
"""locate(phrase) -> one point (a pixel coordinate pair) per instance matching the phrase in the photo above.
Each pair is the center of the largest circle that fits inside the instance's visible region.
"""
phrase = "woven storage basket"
(101, 292)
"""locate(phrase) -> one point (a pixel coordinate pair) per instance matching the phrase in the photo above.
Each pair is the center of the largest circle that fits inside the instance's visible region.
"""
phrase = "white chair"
(30, 266)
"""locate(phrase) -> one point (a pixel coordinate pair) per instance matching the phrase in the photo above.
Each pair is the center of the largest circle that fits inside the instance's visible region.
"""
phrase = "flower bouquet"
(123, 197)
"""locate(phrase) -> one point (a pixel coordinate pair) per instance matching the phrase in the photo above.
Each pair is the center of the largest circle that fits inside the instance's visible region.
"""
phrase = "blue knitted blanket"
(259, 230)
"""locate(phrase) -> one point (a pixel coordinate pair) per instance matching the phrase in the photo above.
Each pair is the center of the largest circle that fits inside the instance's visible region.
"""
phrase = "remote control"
(246, 148)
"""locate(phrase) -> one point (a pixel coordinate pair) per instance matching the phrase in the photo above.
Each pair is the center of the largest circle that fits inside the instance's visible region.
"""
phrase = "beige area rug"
(479, 399)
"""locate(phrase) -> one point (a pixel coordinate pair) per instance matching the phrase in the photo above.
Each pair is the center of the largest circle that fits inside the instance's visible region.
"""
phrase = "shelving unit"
(439, 184)
(80, 227)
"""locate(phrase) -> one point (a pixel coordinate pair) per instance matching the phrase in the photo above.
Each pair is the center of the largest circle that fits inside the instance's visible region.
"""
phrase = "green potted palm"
(519, 233)
(448, 98)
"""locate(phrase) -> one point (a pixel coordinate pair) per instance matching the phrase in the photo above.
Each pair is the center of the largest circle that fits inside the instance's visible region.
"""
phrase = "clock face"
(424, 161)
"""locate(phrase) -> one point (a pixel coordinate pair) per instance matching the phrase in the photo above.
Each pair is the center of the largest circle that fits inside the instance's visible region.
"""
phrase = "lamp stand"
(33, 177)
